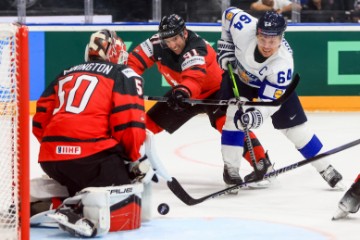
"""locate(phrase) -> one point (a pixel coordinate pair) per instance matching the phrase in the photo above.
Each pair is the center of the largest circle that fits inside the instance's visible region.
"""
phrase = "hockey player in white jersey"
(263, 68)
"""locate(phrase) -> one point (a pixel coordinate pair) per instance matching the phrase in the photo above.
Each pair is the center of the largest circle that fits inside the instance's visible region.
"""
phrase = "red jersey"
(89, 108)
(196, 67)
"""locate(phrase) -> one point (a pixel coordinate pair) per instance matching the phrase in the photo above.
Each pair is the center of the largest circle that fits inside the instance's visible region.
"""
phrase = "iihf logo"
(71, 150)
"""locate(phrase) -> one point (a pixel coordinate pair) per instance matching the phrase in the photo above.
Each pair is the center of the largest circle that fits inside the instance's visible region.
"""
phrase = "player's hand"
(175, 101)
(142, 171)
(225, 54)
(252, 118)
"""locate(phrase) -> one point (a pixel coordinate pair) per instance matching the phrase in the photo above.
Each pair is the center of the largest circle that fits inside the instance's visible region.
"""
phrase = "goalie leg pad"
(115, 208)
(45, 188)
(124, 210)
(96, 208)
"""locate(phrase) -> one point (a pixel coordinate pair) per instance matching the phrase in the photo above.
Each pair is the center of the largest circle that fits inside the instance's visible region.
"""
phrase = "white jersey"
(271, 76)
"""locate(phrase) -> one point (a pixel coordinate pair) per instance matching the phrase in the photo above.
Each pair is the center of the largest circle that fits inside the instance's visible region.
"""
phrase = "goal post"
(14, 132)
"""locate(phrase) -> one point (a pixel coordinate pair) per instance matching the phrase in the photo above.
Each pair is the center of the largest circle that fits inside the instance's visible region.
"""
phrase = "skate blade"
(260, 185)
(234, 191)
(339, 214)
(340, 186)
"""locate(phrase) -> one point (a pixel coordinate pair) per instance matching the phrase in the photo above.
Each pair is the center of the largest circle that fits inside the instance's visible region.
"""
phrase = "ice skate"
(73, 223)
(39, 206)
(263, 166)
(349, 203)
(232, 177)
(333, 178)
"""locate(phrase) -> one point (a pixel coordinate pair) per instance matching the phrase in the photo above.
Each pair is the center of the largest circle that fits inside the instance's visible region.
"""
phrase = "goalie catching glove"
(178, 94)
(252, 118)
(225, 54)
(142, 171)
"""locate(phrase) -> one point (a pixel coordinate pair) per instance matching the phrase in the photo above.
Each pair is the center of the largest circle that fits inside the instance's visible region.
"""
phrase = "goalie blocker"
(96, 211)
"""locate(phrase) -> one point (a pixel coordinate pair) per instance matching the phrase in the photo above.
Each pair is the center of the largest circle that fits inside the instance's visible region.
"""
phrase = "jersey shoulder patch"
(129, 73)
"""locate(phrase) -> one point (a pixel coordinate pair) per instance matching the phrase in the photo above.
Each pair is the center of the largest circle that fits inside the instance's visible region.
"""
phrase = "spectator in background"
(310, 6)
(318, 5)
(357, 5)
(345, 5)
(356, 12)
(280, 6)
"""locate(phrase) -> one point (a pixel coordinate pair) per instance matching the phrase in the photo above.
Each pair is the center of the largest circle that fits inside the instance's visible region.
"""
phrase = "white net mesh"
(9, 185)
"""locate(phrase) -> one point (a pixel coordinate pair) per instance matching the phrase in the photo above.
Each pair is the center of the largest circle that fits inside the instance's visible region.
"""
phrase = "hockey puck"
(163, 208)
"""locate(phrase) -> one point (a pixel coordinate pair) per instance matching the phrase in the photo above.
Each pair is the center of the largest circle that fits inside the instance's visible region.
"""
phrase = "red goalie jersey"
(89, 108)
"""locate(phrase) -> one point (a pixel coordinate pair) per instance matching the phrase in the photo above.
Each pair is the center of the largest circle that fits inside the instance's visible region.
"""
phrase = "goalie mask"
(271, 24)
(107, 46)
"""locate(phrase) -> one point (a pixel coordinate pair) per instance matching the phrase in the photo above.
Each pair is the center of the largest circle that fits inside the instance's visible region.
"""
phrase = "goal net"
(14, 132)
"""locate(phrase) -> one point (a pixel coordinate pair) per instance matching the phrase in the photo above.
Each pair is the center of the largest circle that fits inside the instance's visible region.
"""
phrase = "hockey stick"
(180, 192)
(245, 128)
(274, 103)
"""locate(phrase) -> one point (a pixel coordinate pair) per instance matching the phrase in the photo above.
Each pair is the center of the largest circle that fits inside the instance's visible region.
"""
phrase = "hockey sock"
(258, 149)
(220, 123)
(357, 179)
(56, 202)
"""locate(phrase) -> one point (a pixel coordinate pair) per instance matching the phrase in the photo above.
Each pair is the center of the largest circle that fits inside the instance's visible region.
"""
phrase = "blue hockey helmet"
(271, 24)
(171, 26)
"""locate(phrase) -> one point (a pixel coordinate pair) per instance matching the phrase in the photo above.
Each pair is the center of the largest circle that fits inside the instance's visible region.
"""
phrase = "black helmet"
(171, 26)
(271, 24)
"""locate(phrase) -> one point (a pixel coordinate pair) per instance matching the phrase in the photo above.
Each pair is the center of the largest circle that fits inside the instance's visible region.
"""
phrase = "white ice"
(299, 204)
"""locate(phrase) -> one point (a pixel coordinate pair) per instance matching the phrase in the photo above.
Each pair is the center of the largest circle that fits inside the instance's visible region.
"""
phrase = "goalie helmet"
(107, 46)
(171, 26)
(271, 24)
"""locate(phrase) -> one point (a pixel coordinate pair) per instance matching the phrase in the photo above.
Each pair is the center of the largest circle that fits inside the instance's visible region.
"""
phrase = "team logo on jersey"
(243, 76)
(69, 150)
(278, 93)
(229, 16)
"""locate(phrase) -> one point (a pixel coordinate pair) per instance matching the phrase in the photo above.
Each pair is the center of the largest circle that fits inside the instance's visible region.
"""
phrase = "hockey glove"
(225, 54)
(252, 118)
(175, 101)
(142, 171)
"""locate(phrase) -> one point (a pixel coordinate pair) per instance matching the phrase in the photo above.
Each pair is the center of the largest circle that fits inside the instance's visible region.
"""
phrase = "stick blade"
(180, 192)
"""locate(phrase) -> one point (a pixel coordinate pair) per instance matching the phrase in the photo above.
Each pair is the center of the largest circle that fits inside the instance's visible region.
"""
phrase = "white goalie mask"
(106, 45)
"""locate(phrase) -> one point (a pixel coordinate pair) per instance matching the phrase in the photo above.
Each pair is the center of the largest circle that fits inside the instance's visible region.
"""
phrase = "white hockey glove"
(225, 54)
(252, 118)
(141, 170)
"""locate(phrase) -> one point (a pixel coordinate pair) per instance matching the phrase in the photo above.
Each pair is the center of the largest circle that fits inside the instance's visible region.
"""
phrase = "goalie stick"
(180, 192)
(277, 102)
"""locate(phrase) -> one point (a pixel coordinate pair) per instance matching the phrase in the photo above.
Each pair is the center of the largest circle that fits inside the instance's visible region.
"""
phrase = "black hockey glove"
(175, 101)
(251, 118)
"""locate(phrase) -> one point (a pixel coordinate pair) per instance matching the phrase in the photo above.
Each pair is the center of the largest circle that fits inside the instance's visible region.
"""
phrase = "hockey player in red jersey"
(350, 202)
(188, 63)
(90, 122)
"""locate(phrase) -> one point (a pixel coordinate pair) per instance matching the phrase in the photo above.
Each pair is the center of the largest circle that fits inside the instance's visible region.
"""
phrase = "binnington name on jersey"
(94, 67)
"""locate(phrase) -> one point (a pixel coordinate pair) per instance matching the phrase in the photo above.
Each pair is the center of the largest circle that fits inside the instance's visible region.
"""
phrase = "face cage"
(163, 43)
(123, 57)
(118, 48)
